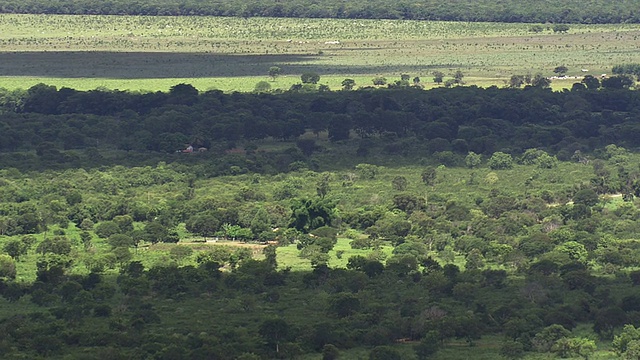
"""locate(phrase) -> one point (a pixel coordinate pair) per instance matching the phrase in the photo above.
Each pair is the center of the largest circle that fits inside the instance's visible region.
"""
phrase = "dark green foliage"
(384, 353)
(618, 82)
(311, 214)
(106, 229)
(310, 78)
(7, 268)
(56, 245)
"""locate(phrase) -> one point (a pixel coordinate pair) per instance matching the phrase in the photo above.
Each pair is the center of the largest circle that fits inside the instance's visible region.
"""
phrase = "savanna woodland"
(407, 213)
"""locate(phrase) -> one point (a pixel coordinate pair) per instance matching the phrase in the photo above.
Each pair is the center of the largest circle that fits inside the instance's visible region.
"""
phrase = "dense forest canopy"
(59, 127)
(514, 226)
(535, 11)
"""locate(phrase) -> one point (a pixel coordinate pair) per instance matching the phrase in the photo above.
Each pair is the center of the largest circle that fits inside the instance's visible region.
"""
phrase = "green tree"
(205, 224)
(591, 82)
(7, 268)
(428, 346)
(106, 229)
(344, 304)
(274, 332)
(379, 81)
(429, 176)
(473, 160)
(15, 248)
(567, 347)
(516, 81)
(458, 77)
(500, 161)
(560, 70)
(121, 240)
(540, 81)
(262, 87)
(399, 183)
(348, 84)
(474, 260)
(438, 77)
(547, 337)
(618, 82)
(330, 352)
(60, 245)
(310, 78)
(622, 341)
(586, 197)
(274, 72)
(367, 171)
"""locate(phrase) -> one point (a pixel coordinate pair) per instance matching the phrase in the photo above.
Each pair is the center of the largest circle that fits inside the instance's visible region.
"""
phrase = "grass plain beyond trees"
(233, 54)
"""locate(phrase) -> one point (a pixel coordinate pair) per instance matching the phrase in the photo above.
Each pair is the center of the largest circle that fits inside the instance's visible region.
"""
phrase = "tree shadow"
(152, 65)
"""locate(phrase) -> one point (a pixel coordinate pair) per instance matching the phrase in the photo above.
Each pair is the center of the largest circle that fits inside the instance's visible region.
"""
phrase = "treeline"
(255, 311)
(537, 11)
(46, 127)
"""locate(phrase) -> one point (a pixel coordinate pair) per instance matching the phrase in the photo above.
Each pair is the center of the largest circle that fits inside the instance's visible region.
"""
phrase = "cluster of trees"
(67, 128)
(538, 11)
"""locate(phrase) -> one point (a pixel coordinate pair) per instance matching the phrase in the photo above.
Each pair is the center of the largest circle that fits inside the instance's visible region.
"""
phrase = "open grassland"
(154, 53)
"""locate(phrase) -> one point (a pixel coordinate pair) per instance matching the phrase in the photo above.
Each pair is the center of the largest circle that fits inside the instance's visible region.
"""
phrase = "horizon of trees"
(537, 11)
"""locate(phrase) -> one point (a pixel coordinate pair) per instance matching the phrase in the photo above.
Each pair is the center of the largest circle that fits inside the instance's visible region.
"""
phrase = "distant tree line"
(536, 11)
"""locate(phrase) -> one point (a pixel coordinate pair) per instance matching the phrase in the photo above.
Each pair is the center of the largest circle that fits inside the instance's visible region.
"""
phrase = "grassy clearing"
(233, 54)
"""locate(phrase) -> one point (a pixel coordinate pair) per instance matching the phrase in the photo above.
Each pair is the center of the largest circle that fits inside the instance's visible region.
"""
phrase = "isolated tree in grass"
(560, 70)
(379, 81)
(348, 84)
(438, 77)
(7, 268)
(274, 72)
(310, 78)
(457, 77)
(262, 86)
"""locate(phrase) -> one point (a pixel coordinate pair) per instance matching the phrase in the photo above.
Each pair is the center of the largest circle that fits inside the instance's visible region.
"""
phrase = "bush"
(500, 161)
